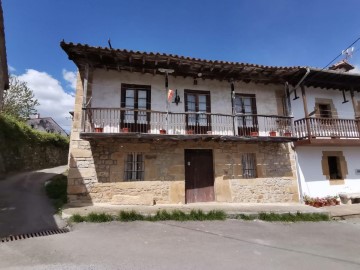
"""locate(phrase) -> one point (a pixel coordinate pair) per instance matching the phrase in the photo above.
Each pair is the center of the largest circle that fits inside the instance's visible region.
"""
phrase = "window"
(325, 110)
(198, 102)
(246, 104)
(136, 98)
(248, 162)
(334, 167)
(134, 167)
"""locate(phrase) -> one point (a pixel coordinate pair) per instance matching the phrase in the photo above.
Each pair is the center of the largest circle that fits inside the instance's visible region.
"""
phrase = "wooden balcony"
(121, 122)
(328, 131)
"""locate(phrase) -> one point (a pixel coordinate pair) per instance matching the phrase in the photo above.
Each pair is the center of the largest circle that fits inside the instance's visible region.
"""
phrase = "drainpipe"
(302, 79)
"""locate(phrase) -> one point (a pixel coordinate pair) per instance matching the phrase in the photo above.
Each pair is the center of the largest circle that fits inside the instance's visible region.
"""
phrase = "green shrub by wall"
(22, 148)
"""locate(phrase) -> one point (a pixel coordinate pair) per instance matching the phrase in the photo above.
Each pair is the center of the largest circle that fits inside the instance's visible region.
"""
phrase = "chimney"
(342, 65)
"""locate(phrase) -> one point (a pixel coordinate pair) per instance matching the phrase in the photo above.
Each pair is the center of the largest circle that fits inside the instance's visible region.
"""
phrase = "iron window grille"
(248, 162)
(134, 167)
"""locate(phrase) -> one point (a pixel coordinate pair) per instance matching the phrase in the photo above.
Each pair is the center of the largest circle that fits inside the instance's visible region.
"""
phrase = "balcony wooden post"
(85, 89)
(233, 106)
(306, 111)
(356, 116)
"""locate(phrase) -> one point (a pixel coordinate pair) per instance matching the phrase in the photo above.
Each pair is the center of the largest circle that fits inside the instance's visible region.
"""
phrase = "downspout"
(288, 93)
(302, 79)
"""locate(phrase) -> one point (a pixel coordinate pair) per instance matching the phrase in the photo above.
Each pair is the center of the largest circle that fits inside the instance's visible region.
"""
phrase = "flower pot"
(272, 133)
(287, 134)
(162, 131)
(189, 131)
(125, 130)
(254, 133)
(99, 129)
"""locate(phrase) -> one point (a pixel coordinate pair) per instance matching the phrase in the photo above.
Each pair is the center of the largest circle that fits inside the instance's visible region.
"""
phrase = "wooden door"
(199, 175)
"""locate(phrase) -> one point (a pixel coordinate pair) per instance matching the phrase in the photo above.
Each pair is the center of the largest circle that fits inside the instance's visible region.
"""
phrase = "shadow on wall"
(311, 167)
(81, 178)
(24, 205)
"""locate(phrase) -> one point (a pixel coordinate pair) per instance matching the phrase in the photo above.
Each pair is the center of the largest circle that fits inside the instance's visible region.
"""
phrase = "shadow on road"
(24, 206)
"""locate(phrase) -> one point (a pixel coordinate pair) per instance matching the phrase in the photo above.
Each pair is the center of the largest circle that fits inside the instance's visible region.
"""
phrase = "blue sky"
(278, 32)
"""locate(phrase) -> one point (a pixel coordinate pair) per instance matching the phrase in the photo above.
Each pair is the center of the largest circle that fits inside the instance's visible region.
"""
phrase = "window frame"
(341, 163)
(134, 170)
(249, 160)
(135, 125)
(199, 128)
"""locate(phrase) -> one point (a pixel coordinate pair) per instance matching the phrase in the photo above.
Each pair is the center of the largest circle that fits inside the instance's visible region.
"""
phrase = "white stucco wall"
(344, 110)
(106, 88)
(106, 92)
(312, 180)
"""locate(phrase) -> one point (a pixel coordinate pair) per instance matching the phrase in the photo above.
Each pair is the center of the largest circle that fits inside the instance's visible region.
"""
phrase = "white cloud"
(54, 101)
(70, 77)
(355, 70)
(11, 69)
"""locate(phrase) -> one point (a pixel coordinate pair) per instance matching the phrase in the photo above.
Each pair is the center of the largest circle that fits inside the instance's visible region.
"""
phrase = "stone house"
(45, 124)
(327, 124)
(152, 128)
(4, 77)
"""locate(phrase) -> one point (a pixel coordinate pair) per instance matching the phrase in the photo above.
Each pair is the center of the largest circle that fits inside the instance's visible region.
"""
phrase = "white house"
(327, 123)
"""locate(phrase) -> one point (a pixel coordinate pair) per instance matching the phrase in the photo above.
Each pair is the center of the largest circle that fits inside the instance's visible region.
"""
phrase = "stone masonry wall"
(96, 169)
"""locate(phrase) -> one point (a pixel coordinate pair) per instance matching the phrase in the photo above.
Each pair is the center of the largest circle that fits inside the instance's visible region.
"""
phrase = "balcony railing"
(121, 120)
(327, 127)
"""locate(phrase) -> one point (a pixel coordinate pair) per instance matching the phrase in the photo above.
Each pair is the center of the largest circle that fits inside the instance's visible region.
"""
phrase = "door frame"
(188, 150)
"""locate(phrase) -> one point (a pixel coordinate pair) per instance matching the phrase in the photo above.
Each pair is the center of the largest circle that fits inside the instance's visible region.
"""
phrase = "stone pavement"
(229, 208)
(344, 211)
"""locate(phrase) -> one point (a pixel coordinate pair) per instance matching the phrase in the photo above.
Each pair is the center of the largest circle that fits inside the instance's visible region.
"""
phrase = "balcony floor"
(197, 137)
(328, 142)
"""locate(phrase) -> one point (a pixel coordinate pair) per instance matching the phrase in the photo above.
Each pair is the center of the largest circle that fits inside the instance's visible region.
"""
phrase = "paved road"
(230, 244)
(24, 207)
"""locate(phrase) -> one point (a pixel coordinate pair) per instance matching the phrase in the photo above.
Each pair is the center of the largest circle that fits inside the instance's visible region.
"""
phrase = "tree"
(19, 99)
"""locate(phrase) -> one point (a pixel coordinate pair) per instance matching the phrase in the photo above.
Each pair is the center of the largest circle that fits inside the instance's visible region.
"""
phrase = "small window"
(334, 167)
(248, 162)
(134, 167)
(325, 111)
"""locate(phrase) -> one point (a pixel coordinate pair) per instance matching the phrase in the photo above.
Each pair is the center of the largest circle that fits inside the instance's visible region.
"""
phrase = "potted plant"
(254, 133)
(272, 133)
(125, 130)
(287, 133)
(190, 131)
(162, 131)
(98, 128)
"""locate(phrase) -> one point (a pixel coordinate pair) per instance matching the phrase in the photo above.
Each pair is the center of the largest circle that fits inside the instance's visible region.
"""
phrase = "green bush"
(14, 132)
(286, 217)
(98, 218)
(177, 215)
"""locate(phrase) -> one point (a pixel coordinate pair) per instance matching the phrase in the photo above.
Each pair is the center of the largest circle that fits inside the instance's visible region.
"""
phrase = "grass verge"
(56, 191)
(127, 216)
(287, 217)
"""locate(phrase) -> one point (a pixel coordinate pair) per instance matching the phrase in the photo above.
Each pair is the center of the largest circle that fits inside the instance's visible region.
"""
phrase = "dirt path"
(24, 206)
